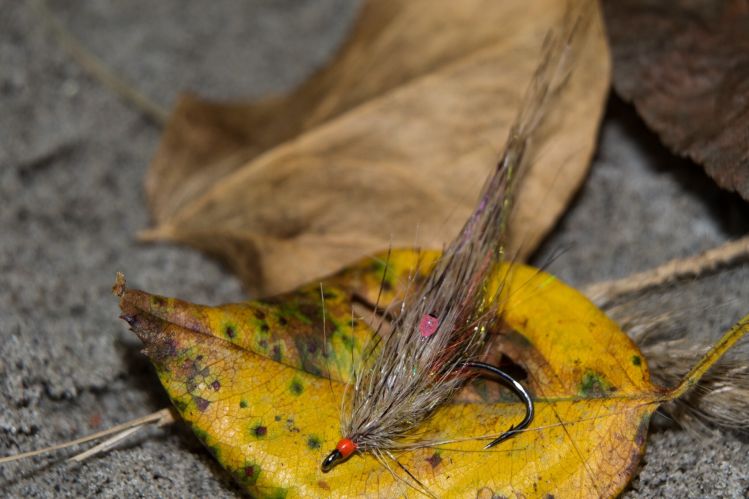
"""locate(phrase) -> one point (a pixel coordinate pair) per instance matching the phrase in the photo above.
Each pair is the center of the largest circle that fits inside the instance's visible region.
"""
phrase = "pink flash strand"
(428, 325)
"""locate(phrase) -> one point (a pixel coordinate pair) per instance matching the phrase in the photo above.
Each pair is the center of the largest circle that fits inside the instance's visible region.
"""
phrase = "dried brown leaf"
(685, 66)
(387, 146)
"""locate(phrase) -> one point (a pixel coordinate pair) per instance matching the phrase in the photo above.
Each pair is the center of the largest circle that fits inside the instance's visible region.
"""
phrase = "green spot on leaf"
(289, 311)
(296, 387)
(595, 385)
(378, 266)
(384, 272)
(347, 341)
(636, 360)
(277, 493)
(313, 442)
(243, 404)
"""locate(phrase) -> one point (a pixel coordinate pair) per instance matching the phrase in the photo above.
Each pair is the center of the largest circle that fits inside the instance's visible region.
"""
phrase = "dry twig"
(603, 293)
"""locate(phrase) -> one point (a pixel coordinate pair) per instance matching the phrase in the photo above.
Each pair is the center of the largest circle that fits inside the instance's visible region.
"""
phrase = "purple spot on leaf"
(434, 460)
(201, 403)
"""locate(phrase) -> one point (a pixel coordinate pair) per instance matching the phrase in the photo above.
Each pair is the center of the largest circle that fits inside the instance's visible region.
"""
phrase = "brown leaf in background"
(387, 146)
(685, 66)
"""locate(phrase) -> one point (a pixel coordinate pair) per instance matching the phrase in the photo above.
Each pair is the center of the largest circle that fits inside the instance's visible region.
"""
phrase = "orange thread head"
(346, 447)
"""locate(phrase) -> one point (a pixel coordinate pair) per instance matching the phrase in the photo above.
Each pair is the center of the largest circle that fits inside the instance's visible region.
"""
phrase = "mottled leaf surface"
(270, 419)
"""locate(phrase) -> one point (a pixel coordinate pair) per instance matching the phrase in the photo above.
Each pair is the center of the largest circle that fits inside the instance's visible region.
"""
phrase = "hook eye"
(329, 462)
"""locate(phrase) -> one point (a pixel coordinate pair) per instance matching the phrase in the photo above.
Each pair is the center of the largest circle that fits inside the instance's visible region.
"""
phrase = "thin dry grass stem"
(96, 69)
(116, 433)
(603, 293)
(105, 445)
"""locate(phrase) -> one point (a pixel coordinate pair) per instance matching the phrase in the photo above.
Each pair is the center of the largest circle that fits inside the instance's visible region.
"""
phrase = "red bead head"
(346, 447)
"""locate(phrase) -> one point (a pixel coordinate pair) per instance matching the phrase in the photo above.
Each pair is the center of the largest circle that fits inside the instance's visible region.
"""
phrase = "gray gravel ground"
(72, 161)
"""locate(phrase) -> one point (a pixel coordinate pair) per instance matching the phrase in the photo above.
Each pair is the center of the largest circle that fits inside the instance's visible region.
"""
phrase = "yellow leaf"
(398, 132)
(270, 422)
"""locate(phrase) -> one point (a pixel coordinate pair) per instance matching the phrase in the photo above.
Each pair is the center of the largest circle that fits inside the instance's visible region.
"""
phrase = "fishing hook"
(519, 390)
(346, 447)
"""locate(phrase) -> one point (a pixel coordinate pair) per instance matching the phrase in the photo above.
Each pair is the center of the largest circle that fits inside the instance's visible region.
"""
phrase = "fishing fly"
(438, 337)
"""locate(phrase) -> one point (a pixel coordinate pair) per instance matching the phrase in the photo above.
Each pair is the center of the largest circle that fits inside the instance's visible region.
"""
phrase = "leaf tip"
(119, 288)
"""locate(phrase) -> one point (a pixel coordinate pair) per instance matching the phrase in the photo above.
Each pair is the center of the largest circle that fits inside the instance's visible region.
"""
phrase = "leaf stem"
(710, 358)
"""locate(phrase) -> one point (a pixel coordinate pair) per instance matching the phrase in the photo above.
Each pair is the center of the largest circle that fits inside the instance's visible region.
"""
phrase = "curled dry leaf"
(685, 66)
(261, 385)
(387, 146)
